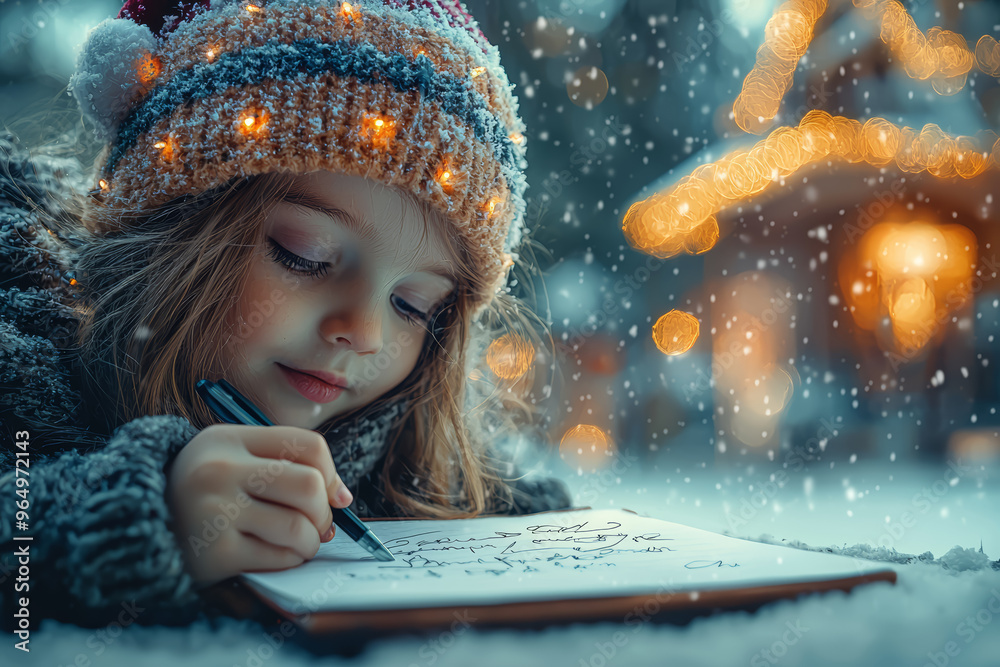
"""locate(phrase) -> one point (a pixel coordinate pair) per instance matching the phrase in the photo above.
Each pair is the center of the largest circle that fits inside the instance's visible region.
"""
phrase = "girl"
(318, 202)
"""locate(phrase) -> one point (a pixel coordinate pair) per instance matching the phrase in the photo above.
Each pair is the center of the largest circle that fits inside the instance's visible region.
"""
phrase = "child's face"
(351, 320)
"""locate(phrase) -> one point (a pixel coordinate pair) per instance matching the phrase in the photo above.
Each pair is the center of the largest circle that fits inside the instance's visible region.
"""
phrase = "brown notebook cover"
(245, 601)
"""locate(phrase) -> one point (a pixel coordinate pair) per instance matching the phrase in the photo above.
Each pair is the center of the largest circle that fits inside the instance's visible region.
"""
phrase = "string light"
(786, 37)
(166, 146)
(447, 176)
(253, 122)
(681, 218)
(490, 207)
(517, 138)
(348, 11)
(477, 71)
(148, 67)
(419, 50)
(254, 9)
(211, 53)
(942, 56)
(102, 188)
(378, 129)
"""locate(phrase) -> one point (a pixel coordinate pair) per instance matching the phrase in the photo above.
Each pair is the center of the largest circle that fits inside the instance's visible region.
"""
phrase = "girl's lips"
(311, 388)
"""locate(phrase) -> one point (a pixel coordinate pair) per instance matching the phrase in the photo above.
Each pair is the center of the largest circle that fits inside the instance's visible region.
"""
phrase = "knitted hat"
(188, 94)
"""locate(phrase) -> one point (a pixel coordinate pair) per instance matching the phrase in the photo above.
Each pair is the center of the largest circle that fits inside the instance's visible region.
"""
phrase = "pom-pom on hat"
(188, 95)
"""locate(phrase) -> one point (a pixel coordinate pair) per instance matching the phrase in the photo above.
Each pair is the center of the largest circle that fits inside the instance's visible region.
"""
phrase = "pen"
(234, 408)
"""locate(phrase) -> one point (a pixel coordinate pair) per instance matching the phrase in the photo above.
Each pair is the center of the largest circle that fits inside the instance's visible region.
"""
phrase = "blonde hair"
(156, 288)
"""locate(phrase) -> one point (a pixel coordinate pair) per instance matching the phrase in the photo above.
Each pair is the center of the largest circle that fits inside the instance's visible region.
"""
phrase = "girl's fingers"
(257, 555)
(299, 445)
(280, 526)
(299, 487)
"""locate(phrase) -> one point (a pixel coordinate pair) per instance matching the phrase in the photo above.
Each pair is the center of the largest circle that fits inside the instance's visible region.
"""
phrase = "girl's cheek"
(263, 305)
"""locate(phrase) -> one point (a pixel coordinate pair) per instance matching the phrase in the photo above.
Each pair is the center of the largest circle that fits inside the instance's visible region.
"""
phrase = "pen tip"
(375, 547)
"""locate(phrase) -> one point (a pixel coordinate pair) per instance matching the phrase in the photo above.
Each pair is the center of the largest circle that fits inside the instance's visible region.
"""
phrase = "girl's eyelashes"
(408, 312)
(294, 263)
(305, 267)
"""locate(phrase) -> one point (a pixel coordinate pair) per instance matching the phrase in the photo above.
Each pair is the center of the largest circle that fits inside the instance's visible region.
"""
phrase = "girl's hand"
(250, 498)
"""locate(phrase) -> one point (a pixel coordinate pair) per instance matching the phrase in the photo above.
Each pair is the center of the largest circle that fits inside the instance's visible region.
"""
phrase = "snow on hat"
(190, 94)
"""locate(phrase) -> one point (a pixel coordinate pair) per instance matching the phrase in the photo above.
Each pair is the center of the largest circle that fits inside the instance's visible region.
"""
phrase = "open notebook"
(557, 566)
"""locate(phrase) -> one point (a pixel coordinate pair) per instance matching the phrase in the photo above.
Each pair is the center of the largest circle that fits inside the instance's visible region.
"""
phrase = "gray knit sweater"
(97, 513)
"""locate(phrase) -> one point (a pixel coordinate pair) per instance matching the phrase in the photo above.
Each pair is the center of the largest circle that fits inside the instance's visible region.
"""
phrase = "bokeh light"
(675, 332)
(510, 356)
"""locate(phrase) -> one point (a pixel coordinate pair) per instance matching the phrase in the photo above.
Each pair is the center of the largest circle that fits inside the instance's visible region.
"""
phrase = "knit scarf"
(357, 444)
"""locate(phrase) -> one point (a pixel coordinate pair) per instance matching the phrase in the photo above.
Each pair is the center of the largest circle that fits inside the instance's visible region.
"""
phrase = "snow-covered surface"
(943, 610)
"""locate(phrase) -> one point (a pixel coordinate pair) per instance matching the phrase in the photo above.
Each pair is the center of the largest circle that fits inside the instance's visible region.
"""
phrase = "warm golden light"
(676, 332)
(378, 129)
(148, 67)
(254, 9)
(752, 337)
(517, 138)
(491, 207)
(914, 274)
(585, 443)
(166, 146)
(510, 356)
(912, 311)
(786, 37)
(667, 223)
(476, 71)
(940, 56)
(447, 177)
(253, 122)
(913, 249)
(348, 11)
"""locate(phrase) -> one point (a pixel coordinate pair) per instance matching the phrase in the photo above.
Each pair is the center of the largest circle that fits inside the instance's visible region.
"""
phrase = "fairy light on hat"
(148, 67)
(167, 146)
(378, 128)
(348, 11)
(253, 122)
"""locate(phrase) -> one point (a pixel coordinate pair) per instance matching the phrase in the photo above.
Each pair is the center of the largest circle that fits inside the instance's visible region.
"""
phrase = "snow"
(943, 610)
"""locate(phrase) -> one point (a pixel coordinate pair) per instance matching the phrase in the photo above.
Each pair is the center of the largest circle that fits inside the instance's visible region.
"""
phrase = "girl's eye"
(408, 312)
(294, 263)
(301, 266)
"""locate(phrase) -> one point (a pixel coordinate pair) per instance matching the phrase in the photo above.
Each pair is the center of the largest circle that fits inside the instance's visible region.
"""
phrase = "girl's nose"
(356, 328)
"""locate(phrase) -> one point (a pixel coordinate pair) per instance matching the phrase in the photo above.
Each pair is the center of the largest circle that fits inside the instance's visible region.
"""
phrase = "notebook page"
(564, 555)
